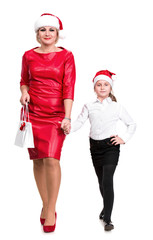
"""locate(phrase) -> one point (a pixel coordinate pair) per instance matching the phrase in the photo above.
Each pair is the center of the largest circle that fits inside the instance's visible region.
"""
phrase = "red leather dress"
(51, 79)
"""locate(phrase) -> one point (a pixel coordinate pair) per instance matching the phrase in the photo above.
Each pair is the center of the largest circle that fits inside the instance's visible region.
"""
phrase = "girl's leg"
(108, 191)
(53, 179)
(99, 173)
(39, 174)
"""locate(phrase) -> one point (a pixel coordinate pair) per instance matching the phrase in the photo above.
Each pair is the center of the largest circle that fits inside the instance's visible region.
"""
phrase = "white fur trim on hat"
(46, 20)
(103, 77)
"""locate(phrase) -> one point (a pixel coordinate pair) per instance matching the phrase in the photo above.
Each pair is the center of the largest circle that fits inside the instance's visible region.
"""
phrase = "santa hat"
(104, 75)
(47, 19)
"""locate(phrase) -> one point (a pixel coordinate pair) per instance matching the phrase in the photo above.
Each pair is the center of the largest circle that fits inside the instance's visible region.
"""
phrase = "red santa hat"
(104, 75)
(47, 19)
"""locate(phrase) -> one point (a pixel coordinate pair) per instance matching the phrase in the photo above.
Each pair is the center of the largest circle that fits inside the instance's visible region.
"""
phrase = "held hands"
(66, 126)
(25, 98)
(117, 140)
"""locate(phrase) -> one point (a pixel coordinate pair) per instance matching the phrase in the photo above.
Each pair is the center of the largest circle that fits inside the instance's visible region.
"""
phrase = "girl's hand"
(25, 98)
(117, 140)
(66, 126)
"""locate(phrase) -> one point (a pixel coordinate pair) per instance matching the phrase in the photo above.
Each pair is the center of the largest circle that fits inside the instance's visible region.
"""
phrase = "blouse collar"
(106, 100)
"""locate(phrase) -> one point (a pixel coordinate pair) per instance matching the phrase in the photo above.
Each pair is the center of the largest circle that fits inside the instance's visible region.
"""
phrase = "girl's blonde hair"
(37, 37)
(111, 95)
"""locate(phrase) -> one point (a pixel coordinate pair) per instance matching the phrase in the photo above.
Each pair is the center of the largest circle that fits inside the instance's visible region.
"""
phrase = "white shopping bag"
(24, 136)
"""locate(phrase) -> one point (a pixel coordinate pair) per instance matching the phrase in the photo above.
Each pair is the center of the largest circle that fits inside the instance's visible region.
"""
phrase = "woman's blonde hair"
(38, 40)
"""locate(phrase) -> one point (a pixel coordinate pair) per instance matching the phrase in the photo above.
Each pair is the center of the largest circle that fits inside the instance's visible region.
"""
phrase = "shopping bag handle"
(25, 113)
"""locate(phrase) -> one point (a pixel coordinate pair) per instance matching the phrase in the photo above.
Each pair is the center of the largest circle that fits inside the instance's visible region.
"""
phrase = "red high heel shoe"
(50, 228)
(42, 220)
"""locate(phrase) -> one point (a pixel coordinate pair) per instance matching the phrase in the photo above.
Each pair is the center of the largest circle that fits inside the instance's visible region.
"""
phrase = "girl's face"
(102, 89)
(47, 35)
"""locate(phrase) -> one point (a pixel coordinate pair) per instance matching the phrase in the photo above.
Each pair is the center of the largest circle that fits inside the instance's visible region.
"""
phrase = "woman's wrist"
(24, 89)
(68, 118)
(24, 92)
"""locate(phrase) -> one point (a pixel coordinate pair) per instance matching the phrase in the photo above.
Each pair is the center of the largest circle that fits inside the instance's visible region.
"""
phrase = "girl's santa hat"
(47, 19)
(104, 75)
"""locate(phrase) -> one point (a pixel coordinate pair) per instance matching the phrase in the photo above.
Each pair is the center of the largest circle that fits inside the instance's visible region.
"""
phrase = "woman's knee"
(51, 162)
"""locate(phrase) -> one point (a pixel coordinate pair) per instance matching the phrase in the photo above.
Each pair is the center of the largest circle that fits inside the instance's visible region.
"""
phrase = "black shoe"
(101, 216)
(108, 226)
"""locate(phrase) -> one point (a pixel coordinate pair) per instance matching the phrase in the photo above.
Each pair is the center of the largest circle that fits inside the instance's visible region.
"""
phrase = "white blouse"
(103, 117)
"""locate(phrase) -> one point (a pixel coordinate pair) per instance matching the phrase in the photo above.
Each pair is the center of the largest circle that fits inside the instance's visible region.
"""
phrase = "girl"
(47, 84)
(103, 115)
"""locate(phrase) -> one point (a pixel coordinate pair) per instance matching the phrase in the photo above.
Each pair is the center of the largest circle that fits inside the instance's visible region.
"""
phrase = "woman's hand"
(25, 98)
(116, 140)
(66, 126)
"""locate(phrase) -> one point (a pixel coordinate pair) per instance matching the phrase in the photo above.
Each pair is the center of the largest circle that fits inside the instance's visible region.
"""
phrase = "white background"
(106, 34)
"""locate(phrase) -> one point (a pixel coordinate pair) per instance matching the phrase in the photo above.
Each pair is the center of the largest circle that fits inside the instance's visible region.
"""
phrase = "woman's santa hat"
(47, 19)
(104, 75)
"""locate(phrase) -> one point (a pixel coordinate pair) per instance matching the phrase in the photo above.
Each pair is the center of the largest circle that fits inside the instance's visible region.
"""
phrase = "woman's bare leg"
(53, 179)
(40, 177)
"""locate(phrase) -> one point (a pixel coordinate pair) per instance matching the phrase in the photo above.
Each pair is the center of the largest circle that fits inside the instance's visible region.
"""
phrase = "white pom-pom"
(62, 34)
(114, 77)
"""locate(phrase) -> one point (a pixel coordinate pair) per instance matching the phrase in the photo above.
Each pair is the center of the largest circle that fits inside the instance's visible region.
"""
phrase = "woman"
(103, 114)
(47, 84)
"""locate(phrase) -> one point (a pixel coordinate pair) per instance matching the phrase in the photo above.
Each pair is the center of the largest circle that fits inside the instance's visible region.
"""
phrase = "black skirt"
(103, 152)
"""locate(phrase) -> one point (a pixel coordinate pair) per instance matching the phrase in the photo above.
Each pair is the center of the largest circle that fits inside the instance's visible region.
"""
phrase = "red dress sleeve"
(24, 72)
(69, 78)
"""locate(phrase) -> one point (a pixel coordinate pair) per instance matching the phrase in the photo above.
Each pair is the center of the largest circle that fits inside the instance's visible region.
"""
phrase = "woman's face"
(47, 35)
(102, 89)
